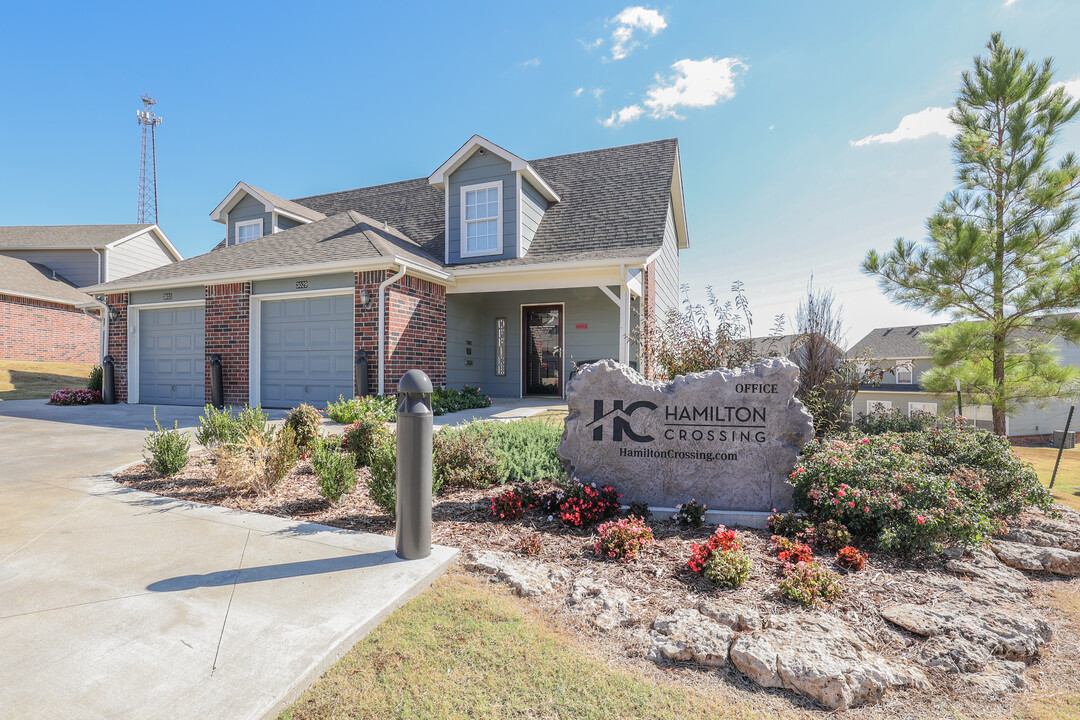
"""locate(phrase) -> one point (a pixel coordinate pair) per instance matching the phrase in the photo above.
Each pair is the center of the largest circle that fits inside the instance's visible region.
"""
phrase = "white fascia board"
(678, 204)
(44, 298)
(275, 272)
(538, 182)
(545, 276)
(156, 230)
(550, 267)
(517, 165)
(221, 212)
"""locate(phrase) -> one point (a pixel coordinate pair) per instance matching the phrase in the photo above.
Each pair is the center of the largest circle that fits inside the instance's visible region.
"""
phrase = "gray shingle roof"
(339, 238)
(64, 236)
(289, 205)
(895, 343)
(22, 278)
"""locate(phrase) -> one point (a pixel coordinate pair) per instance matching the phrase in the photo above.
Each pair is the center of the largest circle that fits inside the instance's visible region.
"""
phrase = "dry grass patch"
(34, 380)
(1067, 486)
(467, 649)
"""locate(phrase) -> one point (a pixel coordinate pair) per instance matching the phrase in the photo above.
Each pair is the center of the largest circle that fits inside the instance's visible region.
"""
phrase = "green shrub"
(623, 539)
(639, 510)
(304, 421)
(358, 438)
(466, 457)
(349, 410)
(950, 484)
(788, 524)
(528, 450)
(728, 568)
(335, 470)
(809, 584)
(382, 483)
(892, 420)
(94, 382)
(690, 514)
(451, 400)
(217, 427)
(166, 450)
(829, 536)
(253, 420)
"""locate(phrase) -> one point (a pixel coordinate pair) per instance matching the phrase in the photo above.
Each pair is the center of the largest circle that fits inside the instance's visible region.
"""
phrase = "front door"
(543, 349)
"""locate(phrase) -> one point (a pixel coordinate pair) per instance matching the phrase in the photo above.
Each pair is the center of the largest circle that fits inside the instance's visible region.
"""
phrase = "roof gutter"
(552, 266)
(382, 324)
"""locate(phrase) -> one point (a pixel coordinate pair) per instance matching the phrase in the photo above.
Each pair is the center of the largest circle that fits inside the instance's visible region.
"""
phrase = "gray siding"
(143, 252)
(666, 268)
(1033, 420)
(248, 209)
(918, 369)
(477, 313)
(483, 169)
(144, 297)
(533, 206)
(284, 223)
(314, 282)
(78, 266)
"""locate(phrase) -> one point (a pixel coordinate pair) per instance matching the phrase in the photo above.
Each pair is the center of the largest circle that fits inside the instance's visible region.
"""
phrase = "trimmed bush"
(382, 483)
(166, 449)
(361, 436)
(810, 584)
(528, 450)
(304, 421)
(892, 420)
(95, 379)
(253, 421)
(728, 568)
(350, 410)
(451, 400)
(950, 484)
(217, 428)
(623, 539)
(336, 471)
(465, 457)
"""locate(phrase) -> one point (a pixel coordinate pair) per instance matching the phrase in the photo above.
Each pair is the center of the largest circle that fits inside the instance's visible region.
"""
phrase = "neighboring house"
(902, 351)
(43, 318)
(493, 271)
(793, 346)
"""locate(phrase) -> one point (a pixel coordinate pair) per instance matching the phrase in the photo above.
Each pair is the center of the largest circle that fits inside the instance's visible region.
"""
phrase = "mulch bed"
(658, 582)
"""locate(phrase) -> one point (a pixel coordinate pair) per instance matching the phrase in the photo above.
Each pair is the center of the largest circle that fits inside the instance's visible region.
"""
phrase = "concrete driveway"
(121, 604)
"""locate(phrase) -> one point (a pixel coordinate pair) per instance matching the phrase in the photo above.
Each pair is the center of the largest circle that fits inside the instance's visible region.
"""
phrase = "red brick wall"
(1038, 440)
(118, 343)
(366, 321)
(41, 331)
(416, 330)
(228, 311)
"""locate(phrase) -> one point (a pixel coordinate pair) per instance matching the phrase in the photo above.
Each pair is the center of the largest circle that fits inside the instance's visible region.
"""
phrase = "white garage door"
(306, 350)
(172, 356)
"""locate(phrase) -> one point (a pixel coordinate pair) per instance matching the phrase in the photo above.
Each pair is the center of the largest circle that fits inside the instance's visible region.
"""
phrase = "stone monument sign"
(726, 438)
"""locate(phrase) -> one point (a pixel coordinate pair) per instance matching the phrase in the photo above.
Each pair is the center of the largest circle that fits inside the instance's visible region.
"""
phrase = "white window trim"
(924, 407)
(907, 365)
(886, 405)
(246, 223)
(464, 252)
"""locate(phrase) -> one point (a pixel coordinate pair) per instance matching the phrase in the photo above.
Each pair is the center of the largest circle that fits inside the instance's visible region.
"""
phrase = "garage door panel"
(171, 356)
(306, 350)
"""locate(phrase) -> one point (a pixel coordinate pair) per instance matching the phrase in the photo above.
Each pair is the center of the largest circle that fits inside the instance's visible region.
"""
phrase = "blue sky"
(766, 99)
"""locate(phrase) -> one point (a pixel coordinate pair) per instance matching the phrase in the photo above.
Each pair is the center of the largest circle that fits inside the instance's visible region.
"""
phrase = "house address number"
(301, 284)
(166, 296)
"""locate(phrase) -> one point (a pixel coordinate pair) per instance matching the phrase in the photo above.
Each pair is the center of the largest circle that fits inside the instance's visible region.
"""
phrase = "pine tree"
(1001, 257)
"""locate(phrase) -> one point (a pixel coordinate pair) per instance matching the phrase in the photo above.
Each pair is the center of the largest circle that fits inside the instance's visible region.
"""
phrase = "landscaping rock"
(527, 578)
(1037, 558)
(1008, 634)
(754, 403)
(605, 608)
(1036, 528)
(822, 658)
(954, 655)
(1000, 676)
(734, 616)
(985, 566)
(689, 635)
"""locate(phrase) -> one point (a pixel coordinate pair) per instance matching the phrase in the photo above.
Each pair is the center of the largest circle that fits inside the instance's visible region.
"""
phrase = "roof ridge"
(613, 147)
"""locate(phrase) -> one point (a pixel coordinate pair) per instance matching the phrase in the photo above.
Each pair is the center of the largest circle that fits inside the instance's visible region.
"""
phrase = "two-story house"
(903, 352)
(492, 271)
(43, 317)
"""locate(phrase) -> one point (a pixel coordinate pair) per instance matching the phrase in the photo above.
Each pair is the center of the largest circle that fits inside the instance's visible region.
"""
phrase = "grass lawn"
(32, 380)
(467, 649)
(1067, 486)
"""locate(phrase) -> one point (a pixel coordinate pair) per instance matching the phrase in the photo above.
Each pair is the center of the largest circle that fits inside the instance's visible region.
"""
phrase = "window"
(903, 373)
(914, 407)
(873, 406)
(248, 230)
(481, 219)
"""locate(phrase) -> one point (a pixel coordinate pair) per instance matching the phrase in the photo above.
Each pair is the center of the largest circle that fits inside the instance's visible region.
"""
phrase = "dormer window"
(903, 373)
(248, 230)
(481, 219)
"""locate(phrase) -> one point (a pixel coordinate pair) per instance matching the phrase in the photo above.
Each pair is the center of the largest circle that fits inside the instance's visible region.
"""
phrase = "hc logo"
(620, 424)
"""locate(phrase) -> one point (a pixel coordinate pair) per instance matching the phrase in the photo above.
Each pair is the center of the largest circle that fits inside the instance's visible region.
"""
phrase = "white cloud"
(635, 17)
(1009, 2)
(619, 118)
(598, 93)
(931, 121)
(532, 62)
(695, 84)
(577, 93)
(590, 46)
(1072, 87)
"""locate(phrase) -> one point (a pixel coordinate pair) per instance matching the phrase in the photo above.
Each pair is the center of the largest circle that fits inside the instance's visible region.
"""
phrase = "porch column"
(623, 301)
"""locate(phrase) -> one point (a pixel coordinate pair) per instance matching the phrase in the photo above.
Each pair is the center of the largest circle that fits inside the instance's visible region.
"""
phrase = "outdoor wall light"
(363, 299)
(114, 314)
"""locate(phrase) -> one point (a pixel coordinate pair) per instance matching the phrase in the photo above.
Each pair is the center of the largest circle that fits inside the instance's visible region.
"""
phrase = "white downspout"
(382, 324)
(104, 344)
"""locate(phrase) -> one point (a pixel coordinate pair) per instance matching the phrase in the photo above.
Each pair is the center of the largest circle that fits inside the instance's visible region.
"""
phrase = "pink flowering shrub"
(68, 396)
(623, 539)
(947, 485)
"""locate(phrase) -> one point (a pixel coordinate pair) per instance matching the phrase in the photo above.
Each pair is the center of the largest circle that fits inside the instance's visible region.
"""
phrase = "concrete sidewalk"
(121, 604)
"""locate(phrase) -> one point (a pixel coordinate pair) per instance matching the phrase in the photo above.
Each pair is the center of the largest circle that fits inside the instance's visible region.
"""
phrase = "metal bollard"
(108, 380)
(217, 385)
(361, 374)
(415, 425)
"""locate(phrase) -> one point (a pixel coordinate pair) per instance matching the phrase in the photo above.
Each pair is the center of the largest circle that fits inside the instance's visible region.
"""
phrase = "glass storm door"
(543, 356)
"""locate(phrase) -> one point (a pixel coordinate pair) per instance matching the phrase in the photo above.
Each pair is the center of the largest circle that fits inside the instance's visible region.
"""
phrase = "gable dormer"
(250, 213)
(494, 202)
